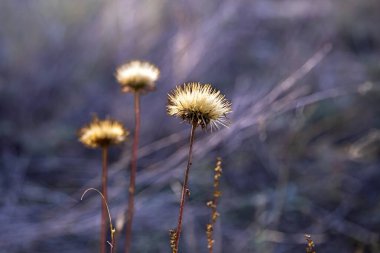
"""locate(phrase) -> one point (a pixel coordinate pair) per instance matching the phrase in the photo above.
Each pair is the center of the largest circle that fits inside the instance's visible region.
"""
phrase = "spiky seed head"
(137, 76)
(102, 133)
(199, 104)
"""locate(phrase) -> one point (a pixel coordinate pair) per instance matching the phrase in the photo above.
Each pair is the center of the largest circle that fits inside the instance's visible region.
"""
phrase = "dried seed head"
(199, 104)
(137, 76)
(102, 133)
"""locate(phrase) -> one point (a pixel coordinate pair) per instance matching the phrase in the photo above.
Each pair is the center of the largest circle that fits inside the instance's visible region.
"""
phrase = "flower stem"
(132, 177)
(103, 230)
(185, 189)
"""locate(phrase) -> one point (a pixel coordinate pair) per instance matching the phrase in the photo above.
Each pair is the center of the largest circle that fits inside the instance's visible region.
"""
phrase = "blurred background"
(302, 154)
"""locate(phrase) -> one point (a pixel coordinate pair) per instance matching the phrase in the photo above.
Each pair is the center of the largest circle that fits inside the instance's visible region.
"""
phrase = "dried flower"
(102, 133)
(137, 76)
(199, 104)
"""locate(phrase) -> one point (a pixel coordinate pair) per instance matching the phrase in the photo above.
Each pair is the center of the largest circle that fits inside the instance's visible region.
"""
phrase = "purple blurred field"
(302, 154)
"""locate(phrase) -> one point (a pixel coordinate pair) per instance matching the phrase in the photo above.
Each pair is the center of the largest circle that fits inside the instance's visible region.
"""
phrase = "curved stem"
(103, 230)
(112, 229)
(132, 176)
(185, 189)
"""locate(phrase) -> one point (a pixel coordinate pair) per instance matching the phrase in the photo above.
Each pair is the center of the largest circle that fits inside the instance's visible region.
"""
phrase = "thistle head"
(137, 76)
(199, 104)
(102, 133)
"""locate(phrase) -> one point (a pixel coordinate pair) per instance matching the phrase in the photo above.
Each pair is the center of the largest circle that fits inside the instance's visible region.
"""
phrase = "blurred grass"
(285, 173)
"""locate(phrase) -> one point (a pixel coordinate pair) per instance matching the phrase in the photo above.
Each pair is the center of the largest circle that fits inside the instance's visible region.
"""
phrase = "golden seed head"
(137, 76)
(102, 133)
(199, 104)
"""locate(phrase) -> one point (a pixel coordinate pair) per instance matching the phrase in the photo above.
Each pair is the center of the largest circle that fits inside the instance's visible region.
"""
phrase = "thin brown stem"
(103, 229)
(132, 177)
(185, 189)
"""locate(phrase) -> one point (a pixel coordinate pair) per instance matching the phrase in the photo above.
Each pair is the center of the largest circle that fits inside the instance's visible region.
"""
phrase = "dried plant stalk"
(132, 177)
(139, 78)
(185, 191)
(213, 205)
(199, 105)
(310, 244)
(102, 134)
(103, 231)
